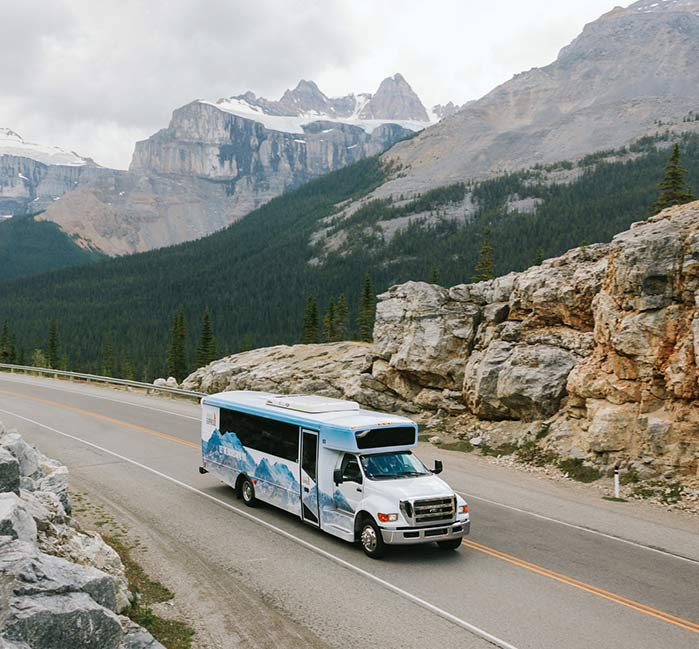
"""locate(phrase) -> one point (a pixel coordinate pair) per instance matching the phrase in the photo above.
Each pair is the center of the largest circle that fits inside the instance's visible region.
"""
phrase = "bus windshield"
(386, 466)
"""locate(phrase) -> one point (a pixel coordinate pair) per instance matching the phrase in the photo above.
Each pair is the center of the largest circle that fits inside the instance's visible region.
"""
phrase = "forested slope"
(257, 275)
(29, 247)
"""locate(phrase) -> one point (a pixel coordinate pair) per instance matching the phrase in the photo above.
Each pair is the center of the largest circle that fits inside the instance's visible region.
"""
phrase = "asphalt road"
(545, 566)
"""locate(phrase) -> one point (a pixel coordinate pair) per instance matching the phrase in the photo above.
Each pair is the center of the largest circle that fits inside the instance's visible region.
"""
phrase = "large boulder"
(9, 471)
(511, 381)
(15, 521)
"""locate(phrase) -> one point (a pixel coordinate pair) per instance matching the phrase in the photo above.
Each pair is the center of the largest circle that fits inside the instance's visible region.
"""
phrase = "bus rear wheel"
(371, 540)
(247, 492)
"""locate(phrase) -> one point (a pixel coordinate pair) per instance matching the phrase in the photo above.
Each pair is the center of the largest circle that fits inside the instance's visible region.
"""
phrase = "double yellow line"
(516, 561)
(581, 585)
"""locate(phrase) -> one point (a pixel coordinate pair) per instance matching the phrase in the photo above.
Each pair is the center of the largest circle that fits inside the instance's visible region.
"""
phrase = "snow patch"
(12, 144)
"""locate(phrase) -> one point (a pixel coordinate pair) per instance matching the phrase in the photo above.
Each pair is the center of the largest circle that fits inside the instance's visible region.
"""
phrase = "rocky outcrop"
(331, 370)
(593, 352)
(60, 588)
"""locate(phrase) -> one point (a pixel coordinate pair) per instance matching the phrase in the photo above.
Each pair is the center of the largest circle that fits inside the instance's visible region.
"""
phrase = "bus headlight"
(388, 518)
(463, 509)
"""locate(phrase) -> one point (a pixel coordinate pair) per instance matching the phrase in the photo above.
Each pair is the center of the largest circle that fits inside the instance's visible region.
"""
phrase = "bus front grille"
(434, 510)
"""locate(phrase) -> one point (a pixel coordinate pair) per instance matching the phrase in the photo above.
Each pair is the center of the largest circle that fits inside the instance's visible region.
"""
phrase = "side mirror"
(337, 476)
(438, 466)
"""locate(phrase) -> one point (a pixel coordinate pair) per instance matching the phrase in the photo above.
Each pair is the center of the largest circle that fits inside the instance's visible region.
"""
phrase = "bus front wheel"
(371, 540)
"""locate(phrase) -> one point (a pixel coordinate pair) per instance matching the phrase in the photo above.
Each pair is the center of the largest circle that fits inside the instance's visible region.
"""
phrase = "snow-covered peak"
(394, 103)
(12, 143)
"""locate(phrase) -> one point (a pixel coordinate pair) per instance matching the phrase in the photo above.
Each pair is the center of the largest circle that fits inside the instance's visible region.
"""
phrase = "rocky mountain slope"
(217, 161)
(630, 73)
(594, 353)
(34, 176)
(61, 588)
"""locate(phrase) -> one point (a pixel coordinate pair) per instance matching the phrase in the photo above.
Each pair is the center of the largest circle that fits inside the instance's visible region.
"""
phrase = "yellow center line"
(581, 585)
(111, 420)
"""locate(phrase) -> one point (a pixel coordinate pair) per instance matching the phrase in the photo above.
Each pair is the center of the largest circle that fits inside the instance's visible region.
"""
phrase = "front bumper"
(410, 535)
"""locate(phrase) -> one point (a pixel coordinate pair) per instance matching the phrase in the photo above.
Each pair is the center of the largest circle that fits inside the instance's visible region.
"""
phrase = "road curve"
(545, 565)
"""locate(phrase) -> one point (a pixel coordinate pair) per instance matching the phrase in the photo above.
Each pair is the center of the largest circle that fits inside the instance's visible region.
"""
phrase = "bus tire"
(370, 539)
(247, 492)
(451, 544)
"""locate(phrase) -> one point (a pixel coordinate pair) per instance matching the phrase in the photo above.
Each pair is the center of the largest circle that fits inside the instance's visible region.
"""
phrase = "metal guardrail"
(99, 379)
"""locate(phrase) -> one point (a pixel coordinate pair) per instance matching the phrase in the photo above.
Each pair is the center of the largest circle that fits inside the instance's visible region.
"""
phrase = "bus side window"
(350, 469)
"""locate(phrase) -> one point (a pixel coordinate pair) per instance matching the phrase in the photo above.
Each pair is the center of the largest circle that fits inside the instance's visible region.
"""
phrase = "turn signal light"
(385, 518)
(463, 509)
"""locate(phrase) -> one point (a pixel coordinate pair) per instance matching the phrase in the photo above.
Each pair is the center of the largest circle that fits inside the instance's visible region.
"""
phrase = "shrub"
(576, 470)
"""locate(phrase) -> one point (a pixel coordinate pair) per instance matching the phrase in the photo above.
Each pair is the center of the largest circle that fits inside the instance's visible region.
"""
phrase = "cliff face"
(33, 176)
(205, 141)
(595, 350)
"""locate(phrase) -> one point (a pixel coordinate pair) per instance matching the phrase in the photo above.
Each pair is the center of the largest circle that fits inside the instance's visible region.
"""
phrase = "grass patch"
(174, 634)
(630, 477)
(667, 492)
(530, 453)
(497, 451)
(576, 470)
(462, 445)
(423, 438)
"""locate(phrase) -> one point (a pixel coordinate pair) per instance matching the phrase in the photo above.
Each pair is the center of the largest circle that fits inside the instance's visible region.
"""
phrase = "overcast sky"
(95, 76)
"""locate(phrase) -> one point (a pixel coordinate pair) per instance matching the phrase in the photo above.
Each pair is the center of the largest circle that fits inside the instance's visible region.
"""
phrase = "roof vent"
(311, 403)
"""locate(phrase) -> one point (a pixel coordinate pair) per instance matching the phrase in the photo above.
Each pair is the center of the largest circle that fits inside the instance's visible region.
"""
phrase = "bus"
(347, 471)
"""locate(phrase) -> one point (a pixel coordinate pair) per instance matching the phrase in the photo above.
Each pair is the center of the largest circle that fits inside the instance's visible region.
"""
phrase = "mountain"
(33, 176)
(257, 274)
(219, 160)
(629, 73)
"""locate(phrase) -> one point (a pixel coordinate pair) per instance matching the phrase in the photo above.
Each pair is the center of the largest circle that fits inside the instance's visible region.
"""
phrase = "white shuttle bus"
(347, 471)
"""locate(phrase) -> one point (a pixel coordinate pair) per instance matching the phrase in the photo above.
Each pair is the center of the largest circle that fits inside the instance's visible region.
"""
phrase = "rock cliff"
(593, 353)
(34, 176)
(61, 588)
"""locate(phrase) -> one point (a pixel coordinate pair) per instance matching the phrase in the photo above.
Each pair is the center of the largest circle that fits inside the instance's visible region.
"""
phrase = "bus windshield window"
(383, 466)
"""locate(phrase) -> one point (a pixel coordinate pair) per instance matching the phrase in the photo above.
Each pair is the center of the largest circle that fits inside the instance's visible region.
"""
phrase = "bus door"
(309, 477)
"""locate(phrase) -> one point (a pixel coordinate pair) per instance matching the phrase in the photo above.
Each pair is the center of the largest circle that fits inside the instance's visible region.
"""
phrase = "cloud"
(95, 76)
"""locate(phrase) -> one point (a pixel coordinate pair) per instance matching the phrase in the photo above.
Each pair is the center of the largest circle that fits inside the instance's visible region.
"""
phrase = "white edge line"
(345, 564)
(465, 495)
(99, 396)
(582, 528)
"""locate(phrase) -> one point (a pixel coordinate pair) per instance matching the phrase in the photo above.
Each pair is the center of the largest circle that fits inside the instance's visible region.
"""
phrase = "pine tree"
(434, 275)
(674, 187)
(52, 350)
(485, 266)
(107, 357)
(367, 303)
(329, 323)
(310, 322)
(538, 257)
(341, 317)
(206, 347)
(38, 358)
(177, 351)
(5, 343)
